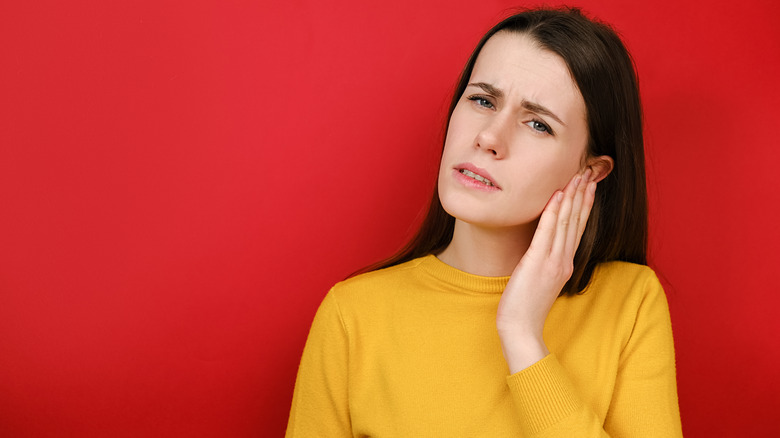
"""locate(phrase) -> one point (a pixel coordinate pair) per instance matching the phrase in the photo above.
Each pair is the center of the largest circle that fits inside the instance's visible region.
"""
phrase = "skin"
(531, 226)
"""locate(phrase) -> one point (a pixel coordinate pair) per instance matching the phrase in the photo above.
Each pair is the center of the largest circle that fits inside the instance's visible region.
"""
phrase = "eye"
(481, 101)
(540, 127)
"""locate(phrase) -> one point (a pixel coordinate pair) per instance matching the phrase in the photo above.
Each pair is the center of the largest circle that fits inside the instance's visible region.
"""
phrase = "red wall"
(181, 182)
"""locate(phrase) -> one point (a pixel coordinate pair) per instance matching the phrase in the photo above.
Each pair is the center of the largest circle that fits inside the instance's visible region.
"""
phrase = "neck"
(490, 252)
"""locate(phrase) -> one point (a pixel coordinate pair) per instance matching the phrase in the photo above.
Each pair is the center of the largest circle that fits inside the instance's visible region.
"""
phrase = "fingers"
(573, 216)
(564, 218)
(590, 197)
(576, 223)
(546, 229)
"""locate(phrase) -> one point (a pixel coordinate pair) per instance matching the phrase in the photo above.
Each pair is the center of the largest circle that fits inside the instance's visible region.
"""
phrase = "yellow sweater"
(412, 351)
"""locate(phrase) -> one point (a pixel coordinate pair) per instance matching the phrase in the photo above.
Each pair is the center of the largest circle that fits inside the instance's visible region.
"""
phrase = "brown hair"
(604, 72)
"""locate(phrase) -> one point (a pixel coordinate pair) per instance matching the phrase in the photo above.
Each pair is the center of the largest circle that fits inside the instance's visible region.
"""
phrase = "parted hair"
(604, 73)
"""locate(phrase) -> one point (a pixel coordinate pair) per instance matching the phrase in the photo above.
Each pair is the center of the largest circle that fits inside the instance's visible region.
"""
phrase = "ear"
(600, 167)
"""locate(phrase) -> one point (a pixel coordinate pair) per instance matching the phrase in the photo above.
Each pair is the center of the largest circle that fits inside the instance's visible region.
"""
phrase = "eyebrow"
(487, 88)
(530, 106)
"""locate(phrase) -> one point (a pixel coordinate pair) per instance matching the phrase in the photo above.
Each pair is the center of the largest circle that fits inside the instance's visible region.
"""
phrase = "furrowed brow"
(487, 88)
(536, 108)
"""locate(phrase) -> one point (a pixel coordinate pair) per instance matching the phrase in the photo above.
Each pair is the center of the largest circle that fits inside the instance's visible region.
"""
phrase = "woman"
(522, 307)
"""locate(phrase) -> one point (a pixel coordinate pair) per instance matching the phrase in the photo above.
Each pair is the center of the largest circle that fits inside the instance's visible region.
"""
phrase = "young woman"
(523, 307)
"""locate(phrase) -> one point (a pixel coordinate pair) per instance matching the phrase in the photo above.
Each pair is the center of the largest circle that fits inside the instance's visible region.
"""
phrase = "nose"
(493, 137)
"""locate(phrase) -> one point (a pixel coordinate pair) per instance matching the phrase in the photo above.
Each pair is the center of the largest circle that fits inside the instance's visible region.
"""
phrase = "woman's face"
(518, 134)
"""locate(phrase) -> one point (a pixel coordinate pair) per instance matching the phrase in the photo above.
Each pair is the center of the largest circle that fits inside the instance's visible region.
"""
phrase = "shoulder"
(623, 277)
(379, 287)
(624, 287)
(379, 280)
(617, 271)
(628, 289)
(623, 299)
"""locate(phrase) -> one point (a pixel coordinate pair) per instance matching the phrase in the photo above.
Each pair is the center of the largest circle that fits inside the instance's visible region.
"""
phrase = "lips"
(477, 177)
(477, 174)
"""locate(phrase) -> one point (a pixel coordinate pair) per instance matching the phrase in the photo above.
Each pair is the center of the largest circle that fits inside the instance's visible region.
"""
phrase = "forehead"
(519, 66)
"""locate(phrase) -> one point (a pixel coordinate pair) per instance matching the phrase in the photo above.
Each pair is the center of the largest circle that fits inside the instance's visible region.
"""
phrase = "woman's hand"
(539, 277)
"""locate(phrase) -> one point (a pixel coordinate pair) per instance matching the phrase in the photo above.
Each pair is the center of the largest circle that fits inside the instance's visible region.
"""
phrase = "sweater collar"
(462, 280)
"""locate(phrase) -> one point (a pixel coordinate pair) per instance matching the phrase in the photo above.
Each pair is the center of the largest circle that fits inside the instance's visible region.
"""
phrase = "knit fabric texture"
(413, 351)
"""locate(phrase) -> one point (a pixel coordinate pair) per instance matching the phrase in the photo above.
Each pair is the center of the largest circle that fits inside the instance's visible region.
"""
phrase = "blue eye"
(539, 127)
(481, 101)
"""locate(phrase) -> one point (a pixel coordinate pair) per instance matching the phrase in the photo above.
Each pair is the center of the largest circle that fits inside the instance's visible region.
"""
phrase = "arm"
(547, 402)
(644, 401)
(544, 269)
(320, 405)
(644, 397)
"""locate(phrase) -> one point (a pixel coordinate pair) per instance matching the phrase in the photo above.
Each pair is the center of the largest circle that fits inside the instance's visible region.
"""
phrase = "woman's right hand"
(542, 272)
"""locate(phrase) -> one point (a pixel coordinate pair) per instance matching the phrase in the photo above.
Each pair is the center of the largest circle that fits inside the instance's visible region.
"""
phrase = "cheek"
(452, 143)
(444, 166)
(543, 180)
(459, 128)
(444, 169)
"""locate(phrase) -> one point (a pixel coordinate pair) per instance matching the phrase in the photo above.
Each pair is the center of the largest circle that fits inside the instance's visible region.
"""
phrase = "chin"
(486, 217)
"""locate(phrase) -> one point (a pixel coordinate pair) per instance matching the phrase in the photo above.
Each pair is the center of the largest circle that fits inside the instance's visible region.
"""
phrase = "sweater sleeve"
(320, 404)
(549, 405)
(644, 401)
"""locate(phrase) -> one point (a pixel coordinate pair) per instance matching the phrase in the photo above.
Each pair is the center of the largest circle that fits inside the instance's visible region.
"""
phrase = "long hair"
(604, 72)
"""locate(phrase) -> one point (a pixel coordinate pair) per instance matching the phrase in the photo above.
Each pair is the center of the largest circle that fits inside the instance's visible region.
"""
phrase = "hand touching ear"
(546, 266)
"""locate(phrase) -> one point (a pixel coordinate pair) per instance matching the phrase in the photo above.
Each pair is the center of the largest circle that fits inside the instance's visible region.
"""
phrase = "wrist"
(521, 349)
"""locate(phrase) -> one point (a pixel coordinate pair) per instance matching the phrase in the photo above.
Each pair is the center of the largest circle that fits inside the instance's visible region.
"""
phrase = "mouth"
(477, 177)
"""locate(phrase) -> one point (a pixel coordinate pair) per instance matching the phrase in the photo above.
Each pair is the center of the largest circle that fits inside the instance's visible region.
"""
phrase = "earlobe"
(600, 167)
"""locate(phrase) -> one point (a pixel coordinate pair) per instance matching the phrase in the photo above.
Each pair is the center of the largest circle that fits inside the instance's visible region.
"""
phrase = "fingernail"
(559, 196)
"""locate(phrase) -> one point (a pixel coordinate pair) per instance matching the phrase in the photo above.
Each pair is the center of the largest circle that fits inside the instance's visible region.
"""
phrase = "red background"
(181, 182)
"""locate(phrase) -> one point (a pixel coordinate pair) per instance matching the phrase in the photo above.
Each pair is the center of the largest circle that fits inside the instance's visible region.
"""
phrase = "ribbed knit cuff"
(543, 394)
